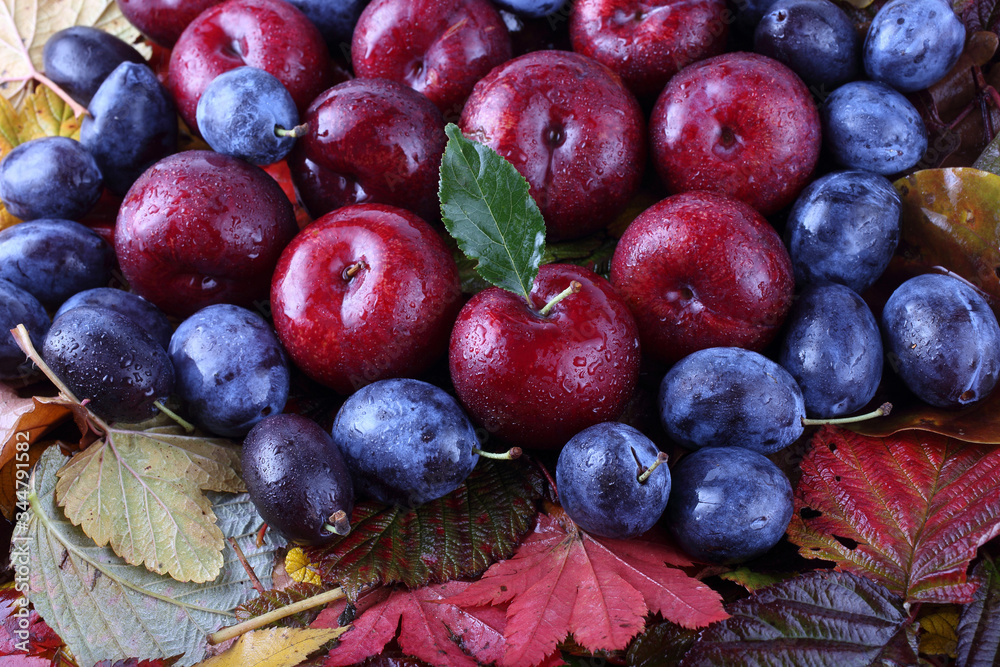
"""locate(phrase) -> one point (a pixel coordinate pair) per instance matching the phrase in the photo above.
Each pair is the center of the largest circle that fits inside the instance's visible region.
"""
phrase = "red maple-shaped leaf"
(430, 629)
(908, 511)
(563, 581)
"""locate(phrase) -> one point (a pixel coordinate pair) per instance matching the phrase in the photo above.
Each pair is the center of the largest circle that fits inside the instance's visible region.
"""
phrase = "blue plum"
(335, 19)
(19, 307)
(911, 44)
(844, 228)
(942, 339)
(51, 177)
(79, 58)
(815, 38)
(110, 361)
(297, 479)
(247, 113)
(405, 442)
(231, 370)
(833, 348)
(132, 124)
(597, 475)
(728, 396)
(54, 259)
(532, 8)
(728, 504)
(868, 125)
(132, 306)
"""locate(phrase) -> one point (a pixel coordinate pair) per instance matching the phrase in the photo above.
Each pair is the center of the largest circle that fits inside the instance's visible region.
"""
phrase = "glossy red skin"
(648, 41)
(271, 35)
(440, 48)
(572, 129)
(537, 380)
(163, 21)
(370, 141)
(765, 109)
(703, 270)
(200, 228)
(391, 319)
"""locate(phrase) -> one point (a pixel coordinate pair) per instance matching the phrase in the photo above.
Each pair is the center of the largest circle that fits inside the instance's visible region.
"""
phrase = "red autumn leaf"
(909, 511)
(432, 630)
(563, 581)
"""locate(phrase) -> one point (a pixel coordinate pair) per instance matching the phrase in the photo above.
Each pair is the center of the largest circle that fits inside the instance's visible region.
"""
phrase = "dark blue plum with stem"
(943, 340)
(731, 397)
(335, 19)
(247, 113)
(54, 259)
(833, 348)
(844, 228)
(728, 504)
(109, 361)
(868, 125)
(132, 124)
(815, 38)
(911, 44)
(601, 485)
(51, 177)
(405, 441)
(132, 306)
(231, 370)
(297, 479)
(531, 8)
(19, 307)
(78, 59)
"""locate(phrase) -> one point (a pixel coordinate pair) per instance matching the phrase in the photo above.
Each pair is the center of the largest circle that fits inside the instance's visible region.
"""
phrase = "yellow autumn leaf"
(25, 26)
(939, 632)
(276, 647)
(299, 568)
(141, 492)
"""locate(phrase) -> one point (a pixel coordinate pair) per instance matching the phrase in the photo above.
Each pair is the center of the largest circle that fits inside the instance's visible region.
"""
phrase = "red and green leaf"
(908, 511)
(269, 601)
(562, 581)
(454, 537)
(821, 618)
(979, 625)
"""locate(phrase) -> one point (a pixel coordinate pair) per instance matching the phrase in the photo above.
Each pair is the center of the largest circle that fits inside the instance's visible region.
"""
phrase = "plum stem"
(661, 458)
(573, 288)
(882, 411)
(339, 524)
(509, 455)
(188, 426)
(295, 132)
(235, 631)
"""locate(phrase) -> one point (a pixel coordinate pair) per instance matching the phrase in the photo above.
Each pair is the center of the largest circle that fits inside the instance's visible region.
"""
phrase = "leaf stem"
(882, 411)
(234, 631)
(188, 426)
(78, 109)
(246, 566)
(573, 288)
(509, 455)
(661, 458)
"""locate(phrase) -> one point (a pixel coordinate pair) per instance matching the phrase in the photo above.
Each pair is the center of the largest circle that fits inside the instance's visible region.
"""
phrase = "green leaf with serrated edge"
(989, 160)
(141, 491)
(269, 601)
(753, 581)
(979, 625)
(457, 536)
(487, 208)
(105, 609)
(821, 618)
(660, 644)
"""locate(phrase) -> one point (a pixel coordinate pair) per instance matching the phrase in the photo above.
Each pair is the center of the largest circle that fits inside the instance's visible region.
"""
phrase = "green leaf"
(661, 644)
(821, 618)
(141, 491)
(457, 536)
(753, 581)
(487, 208)
(105, 609)
(979, 626)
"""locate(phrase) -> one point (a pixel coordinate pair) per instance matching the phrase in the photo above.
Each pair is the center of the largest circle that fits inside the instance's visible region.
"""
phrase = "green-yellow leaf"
(141, 491)
(939, 631)
(25, 26)
(275, 647)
